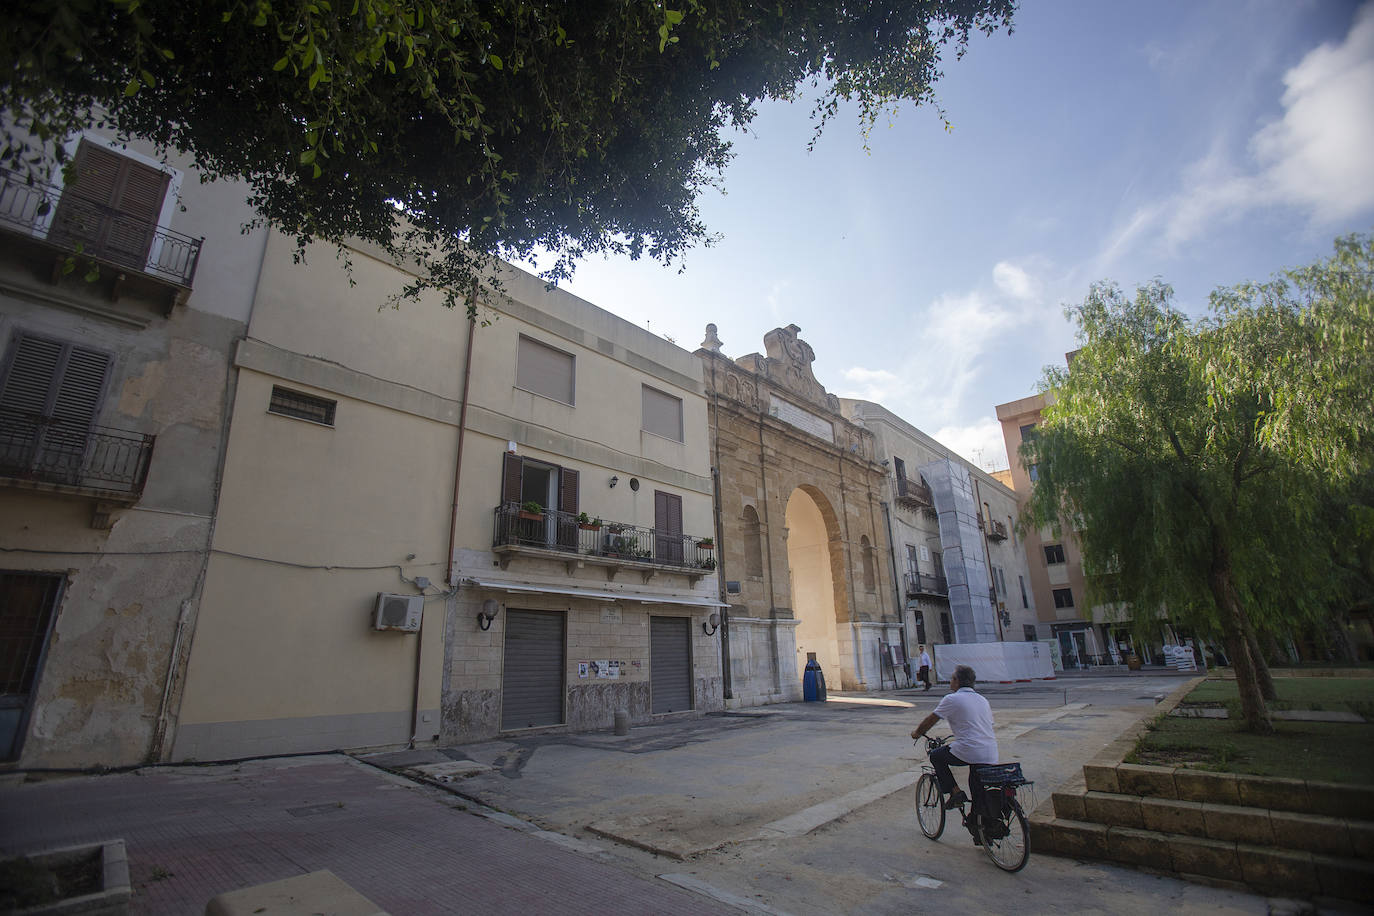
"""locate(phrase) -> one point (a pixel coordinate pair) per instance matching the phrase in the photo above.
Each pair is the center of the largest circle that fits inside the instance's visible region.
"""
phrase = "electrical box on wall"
(399, 613)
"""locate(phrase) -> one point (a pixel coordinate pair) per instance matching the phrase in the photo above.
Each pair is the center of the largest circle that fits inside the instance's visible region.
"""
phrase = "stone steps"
(1266, 869)
(1284, 837)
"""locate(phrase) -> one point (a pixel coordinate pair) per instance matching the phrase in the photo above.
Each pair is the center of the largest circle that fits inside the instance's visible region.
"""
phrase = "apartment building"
(1085, 635)
(124, 284)
(957, 560)
(436, 530)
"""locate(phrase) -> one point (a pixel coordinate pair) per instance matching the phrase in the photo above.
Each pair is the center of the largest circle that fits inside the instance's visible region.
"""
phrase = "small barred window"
(290, 403)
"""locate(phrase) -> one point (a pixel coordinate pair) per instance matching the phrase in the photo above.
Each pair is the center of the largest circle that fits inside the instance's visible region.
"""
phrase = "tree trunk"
(1263, 679)
(1234, 633)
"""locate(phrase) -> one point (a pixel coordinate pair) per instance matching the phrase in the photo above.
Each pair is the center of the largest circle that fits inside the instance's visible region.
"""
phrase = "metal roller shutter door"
(532, 674)
(670, 664)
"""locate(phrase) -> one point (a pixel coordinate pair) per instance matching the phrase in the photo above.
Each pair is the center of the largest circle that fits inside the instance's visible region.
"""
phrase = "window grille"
(290, 403)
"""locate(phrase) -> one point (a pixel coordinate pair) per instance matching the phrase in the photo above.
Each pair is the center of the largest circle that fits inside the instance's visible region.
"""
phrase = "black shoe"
(956, 800)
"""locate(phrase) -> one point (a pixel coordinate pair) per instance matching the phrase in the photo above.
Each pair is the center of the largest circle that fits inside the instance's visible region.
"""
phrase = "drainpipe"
(896, 582)
(462, 427)
(726, 684)
(453, 517)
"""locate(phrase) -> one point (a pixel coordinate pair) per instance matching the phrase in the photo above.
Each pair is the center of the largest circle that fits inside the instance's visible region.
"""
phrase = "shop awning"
(575, 592)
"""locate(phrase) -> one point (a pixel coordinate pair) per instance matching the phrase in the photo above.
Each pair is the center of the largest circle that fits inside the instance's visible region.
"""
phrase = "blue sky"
(1206, 143)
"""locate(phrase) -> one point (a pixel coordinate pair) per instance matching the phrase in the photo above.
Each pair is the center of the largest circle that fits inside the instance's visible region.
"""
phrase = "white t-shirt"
(970, 718)
(925, 660)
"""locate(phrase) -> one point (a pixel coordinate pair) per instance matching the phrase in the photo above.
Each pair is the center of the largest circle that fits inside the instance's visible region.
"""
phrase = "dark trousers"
(941, 759)
(924, 676)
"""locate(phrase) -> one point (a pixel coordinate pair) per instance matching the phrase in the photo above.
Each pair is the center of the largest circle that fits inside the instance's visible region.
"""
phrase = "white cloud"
(1013, 281)
(1315, 157)
(938, 384)
(1319, 154)
(981, 443)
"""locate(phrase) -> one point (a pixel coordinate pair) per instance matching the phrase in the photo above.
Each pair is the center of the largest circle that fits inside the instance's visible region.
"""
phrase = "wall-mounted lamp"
(488, 613)
(710, 625)
(614, 480)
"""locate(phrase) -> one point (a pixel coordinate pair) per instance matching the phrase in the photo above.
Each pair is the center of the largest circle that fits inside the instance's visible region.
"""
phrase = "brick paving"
(194, 832)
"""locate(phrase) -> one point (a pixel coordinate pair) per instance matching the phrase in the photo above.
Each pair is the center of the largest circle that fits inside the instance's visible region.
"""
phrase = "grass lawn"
(1327, 751)
(1346, 694)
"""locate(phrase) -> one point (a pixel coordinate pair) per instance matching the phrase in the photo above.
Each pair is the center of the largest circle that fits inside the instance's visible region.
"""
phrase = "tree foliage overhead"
(1220, 468)
(497, 128)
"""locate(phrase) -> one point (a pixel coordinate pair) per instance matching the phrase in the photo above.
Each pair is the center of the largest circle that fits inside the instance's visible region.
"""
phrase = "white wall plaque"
(804, 420)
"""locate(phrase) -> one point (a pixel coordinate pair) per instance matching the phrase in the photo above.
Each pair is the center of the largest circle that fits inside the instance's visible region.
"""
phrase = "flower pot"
(531, 516)
(589, 527)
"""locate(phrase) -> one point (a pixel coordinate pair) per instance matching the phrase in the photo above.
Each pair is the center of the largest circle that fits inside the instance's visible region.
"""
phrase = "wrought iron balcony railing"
(45, 450)
(997, 531)
(561, 531)
(89, 229)
(911, 494)
(922, 584)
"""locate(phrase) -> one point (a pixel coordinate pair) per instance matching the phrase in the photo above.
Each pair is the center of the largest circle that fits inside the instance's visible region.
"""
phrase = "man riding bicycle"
(970, 719)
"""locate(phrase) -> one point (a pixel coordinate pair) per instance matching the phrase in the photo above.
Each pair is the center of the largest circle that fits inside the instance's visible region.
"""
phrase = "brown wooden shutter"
(668, 522)
(512, 473)
(567, 491)
(50, 399)
(111, 206)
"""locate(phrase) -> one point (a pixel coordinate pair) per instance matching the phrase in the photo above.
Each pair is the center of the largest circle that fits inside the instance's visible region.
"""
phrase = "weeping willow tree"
(1217, 468)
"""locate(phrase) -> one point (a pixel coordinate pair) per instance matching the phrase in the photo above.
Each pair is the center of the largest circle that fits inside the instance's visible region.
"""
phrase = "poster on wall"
(581, 669)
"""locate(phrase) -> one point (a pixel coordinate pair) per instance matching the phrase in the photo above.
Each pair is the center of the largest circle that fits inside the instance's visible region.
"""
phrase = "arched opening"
(812, 584)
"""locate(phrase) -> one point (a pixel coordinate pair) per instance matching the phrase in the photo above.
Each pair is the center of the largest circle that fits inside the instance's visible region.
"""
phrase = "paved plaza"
(799, 808)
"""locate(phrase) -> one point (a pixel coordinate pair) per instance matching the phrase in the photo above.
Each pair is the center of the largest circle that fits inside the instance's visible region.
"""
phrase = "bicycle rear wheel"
(1011, 850)
(930, 806)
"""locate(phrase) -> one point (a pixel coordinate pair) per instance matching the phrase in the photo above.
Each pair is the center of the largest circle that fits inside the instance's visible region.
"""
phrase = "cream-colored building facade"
(122, 293)
(374, 579)
(960, 580)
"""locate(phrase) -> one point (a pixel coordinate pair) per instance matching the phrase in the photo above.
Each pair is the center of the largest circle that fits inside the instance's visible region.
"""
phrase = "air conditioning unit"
(399, 612)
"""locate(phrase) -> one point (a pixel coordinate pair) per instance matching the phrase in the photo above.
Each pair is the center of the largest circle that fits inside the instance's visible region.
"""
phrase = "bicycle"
(1000, 827)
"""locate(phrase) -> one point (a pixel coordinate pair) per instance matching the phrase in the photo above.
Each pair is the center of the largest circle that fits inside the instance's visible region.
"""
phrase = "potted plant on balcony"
(531, 511)
(708, 563)
(707, 544)
(588, 524)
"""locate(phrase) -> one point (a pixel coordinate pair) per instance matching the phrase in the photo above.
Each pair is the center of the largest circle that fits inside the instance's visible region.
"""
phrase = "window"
(1029, 632)
(1025, 602)
(1027, 431)
(555, 488)
(668, 524)
(1054, 553)
(111, 206)
(51, 392)
(543, 370)
(662, 414)
(899, 467)
(290, 403)
(911, 565)
(1001, 581)
(1063, 597)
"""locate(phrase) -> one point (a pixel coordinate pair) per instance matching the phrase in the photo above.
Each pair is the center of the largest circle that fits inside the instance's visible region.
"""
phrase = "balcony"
(612, 546)
(921, 585)
(131, 252)
(997, 531)
(910, 494)
(44, 453)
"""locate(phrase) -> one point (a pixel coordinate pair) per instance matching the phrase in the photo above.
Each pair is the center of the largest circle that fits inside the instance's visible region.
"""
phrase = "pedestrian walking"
(923, 674)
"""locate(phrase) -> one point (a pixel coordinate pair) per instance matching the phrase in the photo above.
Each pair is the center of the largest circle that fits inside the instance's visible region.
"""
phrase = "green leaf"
(308, 157)
(315, 76)
(132, 88)
(281, 64)
(495, 61)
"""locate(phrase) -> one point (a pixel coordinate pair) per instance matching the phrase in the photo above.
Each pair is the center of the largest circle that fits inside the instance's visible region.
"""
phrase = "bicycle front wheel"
(1010, 850)
(930, 806)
